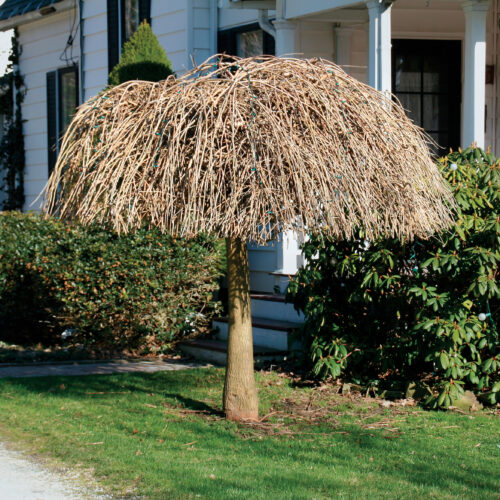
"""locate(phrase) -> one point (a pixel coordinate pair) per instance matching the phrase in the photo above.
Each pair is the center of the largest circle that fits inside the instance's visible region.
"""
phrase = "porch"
(439, 57)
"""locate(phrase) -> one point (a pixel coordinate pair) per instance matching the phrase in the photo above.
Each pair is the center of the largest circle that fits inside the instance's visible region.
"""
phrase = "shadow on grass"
(196, 406)
(175, 385)
(319, 457)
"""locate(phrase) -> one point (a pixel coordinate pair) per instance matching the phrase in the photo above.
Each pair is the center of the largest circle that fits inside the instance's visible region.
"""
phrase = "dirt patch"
(302, 412)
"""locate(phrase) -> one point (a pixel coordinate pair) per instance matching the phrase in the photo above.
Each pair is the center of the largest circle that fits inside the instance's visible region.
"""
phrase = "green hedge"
(388, 310)
(109, 291)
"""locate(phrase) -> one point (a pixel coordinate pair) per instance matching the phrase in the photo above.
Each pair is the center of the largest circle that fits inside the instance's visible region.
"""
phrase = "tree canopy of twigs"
(246, 148)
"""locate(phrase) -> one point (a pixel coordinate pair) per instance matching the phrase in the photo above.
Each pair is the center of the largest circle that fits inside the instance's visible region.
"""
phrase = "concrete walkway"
(98, 368)
(23, 479)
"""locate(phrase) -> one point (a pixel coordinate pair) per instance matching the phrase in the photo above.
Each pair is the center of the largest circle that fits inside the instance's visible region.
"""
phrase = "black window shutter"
(113, 34)
(145, 11)
(51, 119)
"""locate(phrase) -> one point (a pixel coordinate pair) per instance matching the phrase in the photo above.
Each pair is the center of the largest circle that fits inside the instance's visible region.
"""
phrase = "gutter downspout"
(82, 53)
(265, 24)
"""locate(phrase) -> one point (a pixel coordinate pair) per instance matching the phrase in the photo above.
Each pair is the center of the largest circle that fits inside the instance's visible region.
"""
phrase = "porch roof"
(13, 8)
(294, 8)
(299, 8)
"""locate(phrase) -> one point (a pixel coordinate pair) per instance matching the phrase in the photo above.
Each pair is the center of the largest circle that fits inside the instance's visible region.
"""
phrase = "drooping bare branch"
(245, 148)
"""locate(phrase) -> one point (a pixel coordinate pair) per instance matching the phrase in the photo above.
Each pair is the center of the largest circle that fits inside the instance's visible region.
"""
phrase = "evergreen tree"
(142, 58)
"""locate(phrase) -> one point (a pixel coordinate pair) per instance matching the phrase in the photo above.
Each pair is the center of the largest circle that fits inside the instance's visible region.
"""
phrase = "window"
(130, 19)
(124, 16)
(426, 79)
(62, 100)
(245, 41)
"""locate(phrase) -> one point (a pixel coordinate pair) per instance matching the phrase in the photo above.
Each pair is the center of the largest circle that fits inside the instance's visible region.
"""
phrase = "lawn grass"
(161, 436)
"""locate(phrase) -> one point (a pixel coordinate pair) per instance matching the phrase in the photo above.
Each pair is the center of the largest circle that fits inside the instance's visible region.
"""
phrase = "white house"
(439, 57)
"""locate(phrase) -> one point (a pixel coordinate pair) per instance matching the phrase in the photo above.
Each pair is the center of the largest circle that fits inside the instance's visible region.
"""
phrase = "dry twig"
(246, 148)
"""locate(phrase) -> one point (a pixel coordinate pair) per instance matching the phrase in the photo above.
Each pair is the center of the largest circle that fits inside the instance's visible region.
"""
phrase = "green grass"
(161, 436)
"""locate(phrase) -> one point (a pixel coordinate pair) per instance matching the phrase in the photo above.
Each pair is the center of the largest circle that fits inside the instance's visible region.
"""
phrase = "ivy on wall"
(12, 160)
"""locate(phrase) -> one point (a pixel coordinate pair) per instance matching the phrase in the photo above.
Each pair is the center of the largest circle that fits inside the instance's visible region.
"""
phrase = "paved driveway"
(25, 479)
(100, 368)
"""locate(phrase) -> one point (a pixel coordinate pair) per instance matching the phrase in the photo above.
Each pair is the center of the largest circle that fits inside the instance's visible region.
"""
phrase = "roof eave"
(34, 15)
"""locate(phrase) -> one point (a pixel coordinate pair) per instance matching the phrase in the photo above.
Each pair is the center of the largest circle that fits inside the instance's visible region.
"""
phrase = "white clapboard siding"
(169, 23)
(262, 260)
(42, 44)
(185, 28)
(95, 47)
(204, 34)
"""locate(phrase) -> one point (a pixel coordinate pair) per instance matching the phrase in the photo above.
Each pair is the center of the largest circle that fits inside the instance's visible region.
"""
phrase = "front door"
(427, 81)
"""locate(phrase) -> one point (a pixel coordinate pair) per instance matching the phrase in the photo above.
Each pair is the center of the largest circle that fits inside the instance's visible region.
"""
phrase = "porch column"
(379, 45)
(287, 251)
(285, 37)
(287, 247)
(343, 47)
(474, 72)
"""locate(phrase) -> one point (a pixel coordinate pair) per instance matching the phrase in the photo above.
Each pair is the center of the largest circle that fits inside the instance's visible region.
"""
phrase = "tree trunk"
(240, 393)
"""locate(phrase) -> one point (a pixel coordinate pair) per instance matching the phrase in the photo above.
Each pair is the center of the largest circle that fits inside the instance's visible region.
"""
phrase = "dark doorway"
(426, 79)
(245, 41)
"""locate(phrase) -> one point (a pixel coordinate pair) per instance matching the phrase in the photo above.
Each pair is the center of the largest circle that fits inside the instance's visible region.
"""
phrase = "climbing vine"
(12, 160)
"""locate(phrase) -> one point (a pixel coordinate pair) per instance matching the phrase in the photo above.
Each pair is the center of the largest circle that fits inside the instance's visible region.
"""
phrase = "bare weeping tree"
(246, 149)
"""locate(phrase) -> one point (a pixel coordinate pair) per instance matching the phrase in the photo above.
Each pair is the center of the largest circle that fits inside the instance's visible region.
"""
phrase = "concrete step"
(269, 333)
(215, 351)
(273, 306)
(279, 272)
(281, 280)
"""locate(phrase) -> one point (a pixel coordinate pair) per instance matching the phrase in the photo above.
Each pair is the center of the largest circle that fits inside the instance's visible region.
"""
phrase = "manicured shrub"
(393, 310)
(144, 70)
(142, 58)
(108, 291)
